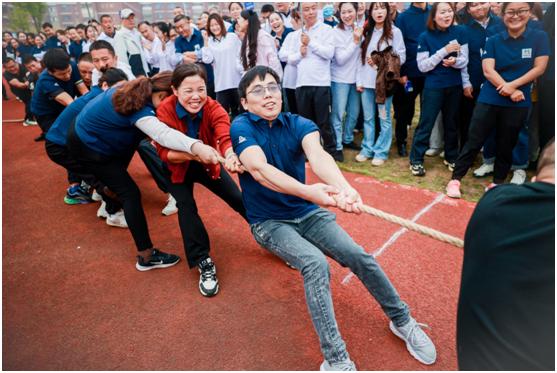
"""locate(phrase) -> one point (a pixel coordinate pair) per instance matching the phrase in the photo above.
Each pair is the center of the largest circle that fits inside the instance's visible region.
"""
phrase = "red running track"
(72, 299)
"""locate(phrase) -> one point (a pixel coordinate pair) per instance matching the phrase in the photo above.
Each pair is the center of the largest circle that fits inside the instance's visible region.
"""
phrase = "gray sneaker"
(417, 342)
(345, 365)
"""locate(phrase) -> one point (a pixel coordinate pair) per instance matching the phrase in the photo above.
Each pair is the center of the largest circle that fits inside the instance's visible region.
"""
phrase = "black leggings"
(194, 234)
(230, 101)
(113, 172)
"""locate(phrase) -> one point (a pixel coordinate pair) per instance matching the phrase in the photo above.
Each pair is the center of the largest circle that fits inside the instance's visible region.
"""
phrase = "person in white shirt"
(285, 12)
(220, 48)
(104, 57)
(345, 97)
(313, 51)
(290, 69)
(361, 18)
(258, 46)
(168, 62)
(91, 35)
(152, 46)
(379, 33)
(127, 44)
(109, 31)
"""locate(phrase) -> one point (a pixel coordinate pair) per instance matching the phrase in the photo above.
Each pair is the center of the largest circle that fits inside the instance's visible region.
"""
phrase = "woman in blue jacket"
(442, 53)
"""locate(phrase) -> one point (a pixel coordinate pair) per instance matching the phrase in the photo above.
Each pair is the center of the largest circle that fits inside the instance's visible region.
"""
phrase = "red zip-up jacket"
(214, 131)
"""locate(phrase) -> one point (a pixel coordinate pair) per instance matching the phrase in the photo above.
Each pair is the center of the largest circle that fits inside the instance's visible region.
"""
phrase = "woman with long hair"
(91, 35)
(234, 10)
(442, 53)
(221, 47)
(258, 46)
(105, 137)
(345, 97)
(190, 111)
(379, 34)
(168, 61)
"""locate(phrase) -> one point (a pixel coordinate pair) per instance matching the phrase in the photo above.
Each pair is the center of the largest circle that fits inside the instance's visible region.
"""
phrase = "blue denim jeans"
(305, 243)
(345, 100)
(520, 150)
(370, 148)
(446, 101)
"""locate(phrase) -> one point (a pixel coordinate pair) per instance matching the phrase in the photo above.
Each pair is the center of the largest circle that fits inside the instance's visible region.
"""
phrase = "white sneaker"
(96, 196)
(117, 220)
(361, 158)
(484, 170)
(417, 342)
(101, 212)
(170, 207)
(377, 162)
(432, 152)
(519, 177)
(346, 365)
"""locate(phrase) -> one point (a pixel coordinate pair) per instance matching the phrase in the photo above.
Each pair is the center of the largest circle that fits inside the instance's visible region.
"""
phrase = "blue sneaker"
(76, 195)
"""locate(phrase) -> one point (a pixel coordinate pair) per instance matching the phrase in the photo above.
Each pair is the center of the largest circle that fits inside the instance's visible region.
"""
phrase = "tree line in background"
(27, 17)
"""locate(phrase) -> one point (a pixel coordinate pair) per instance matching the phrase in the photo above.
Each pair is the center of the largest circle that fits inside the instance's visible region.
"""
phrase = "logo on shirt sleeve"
(527, 53)
(241, 139)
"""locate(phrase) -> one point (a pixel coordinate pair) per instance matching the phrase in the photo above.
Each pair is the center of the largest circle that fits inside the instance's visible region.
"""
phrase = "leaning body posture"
(285, 217)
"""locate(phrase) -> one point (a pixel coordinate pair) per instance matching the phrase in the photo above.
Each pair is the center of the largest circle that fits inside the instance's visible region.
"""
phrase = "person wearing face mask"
(344, 66)
(329, 16)
(105, 137)
(379, 34)
(191, 112)
(285, 217)
(221, 47)
(511, 61)
(442, 53)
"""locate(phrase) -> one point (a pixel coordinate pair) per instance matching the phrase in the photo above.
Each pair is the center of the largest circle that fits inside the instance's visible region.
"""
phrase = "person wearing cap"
(127, 44)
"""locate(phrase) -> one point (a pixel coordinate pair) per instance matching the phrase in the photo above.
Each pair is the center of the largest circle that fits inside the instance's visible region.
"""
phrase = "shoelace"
(208, 271)
(417, 336)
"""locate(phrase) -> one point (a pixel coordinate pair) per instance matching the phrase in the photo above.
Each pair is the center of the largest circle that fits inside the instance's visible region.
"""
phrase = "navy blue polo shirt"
(25, 50)
(412, 23)
(39, 51)
(59, 130)
(477, 36)
(105, 131)
(52, 42)
(433, 40)
(48, 87)
(196, 39)
(282, 145)
(76, 49)
(192, 124)
(513, 58)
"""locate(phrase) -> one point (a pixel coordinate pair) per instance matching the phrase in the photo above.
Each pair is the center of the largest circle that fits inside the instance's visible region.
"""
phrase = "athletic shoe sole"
(208, 295)
(75, 201)
(108, 222)
(144, 269)
(408, 346)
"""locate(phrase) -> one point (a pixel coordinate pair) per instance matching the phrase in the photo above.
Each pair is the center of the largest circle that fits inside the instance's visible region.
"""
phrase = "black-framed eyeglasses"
(259, 90)
(518, 12)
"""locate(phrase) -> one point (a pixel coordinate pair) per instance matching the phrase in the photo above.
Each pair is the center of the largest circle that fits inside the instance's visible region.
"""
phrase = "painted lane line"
(398, 233)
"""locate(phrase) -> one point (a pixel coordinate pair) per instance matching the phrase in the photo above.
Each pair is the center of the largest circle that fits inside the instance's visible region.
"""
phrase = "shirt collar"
(525, 34)
(256, 119)
(182, 113)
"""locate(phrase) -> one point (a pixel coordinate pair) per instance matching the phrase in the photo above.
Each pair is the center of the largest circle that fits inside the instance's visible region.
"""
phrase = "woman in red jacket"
(190, 111)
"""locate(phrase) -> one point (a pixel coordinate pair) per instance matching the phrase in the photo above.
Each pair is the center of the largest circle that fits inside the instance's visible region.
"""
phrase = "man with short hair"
(52, 39)
(127, 44)
(286, 219)
(76, 42)
(56, 88)
(17, 77)
(506, 308)
(283, 9)
(103, 58)
(266, 11)
(109, 31)
(85, 67)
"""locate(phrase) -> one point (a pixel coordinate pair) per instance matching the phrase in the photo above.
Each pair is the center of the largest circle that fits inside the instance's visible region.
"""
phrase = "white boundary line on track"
(398, 233)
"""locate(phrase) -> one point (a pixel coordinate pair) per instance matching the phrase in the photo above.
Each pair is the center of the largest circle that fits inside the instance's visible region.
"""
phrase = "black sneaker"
(338, 156)
(352, 145)
(41, 137)
(208, 282)
(417, 169)
(158, 260)
(401, 148)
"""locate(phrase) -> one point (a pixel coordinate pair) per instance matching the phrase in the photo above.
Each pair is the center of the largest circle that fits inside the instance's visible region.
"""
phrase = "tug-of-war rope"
(433, 233)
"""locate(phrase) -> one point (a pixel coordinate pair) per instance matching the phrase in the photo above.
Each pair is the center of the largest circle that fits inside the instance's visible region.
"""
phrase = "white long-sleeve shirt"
(222, 55)
(267, 54)
(366, 75)
(345, 63)
(156, 54)
(165, 135)
(315, 68)
(290, 70)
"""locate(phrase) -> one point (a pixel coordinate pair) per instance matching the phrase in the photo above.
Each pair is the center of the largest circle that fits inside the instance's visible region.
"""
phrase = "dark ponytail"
(254, 25)
(134, 95)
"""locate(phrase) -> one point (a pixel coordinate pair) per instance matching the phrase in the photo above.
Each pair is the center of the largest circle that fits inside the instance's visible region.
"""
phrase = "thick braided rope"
(413, 226)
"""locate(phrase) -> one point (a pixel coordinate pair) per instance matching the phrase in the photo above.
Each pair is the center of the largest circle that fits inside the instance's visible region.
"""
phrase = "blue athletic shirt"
(412, 23)
(282, 145)
(105, 131)
(59, 130)
(48, 87)
(513, 58)
(433, 40)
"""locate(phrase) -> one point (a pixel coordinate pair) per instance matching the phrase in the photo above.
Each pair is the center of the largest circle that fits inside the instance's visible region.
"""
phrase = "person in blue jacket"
(57, 150)
(52, 39)
(512, 60)
(412, 23)
(442, 53)
(105, 137)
